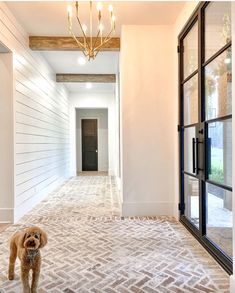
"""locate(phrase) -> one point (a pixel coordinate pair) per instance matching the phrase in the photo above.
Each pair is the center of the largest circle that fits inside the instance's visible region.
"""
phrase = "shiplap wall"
(41, 121)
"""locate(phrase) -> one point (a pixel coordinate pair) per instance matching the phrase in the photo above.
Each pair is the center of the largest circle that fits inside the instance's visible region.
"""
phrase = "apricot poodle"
(26, 245)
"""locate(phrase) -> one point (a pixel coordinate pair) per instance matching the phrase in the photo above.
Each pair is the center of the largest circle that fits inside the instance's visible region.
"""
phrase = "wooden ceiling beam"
(41, 43)
(99, 78)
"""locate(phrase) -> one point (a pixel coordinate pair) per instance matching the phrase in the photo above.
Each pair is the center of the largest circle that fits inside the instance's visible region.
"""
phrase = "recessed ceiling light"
(88, 85)
(81, 60)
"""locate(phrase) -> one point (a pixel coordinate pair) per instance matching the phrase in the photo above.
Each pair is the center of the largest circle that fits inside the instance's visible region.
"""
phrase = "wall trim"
(131, 209)
(6, 215)
(29, 204)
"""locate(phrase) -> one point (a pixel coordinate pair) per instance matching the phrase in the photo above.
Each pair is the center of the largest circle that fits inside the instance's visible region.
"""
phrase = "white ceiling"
(50, 18)
(67, 62)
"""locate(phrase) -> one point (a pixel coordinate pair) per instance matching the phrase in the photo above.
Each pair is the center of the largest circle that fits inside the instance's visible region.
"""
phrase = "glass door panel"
(218, 86)
(217, 27)
(191, 191)
(189, 150)
(220, 152)
(190, 44)
(219, 217)
(191, 101)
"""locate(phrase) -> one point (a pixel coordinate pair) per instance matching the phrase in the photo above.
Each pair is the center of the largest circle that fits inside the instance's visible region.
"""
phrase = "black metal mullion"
(217, 54)
(218, 119)
(190, 125)
(181, 123)
(200, 135)
(220, 185)
(189, 174)
(190, 76)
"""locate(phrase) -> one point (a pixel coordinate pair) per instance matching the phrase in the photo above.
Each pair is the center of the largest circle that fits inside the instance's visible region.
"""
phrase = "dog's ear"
(43, 239)
(22, 239)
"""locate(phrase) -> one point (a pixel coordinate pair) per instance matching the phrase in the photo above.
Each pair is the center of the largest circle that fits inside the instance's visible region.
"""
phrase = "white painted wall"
(102, 118)
(146, 64)
(6, 138)
(93, 100)
(41, 121)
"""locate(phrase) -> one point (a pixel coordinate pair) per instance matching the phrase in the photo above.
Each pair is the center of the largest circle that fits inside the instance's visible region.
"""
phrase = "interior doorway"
(89, 145)
(92, 140)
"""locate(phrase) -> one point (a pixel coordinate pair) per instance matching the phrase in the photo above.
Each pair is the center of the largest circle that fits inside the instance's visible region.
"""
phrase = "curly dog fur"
(26, 245)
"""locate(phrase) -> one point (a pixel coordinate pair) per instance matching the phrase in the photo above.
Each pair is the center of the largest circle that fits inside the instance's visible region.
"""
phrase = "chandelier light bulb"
(110, 8)
(99, 6)
(84, 27)
(101, 27)
(70, 11)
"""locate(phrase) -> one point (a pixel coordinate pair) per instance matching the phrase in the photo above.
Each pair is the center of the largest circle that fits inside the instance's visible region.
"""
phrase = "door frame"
(81, 148)
(199, 234)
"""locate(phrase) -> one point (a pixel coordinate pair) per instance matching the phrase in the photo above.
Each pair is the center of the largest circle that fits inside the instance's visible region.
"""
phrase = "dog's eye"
(36, 236)
(28, 236)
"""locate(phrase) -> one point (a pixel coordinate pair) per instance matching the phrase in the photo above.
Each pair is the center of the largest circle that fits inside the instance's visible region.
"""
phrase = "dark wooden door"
(89, 145)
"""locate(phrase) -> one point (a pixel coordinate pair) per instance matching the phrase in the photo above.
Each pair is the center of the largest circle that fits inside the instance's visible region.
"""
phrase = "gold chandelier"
(91, 45)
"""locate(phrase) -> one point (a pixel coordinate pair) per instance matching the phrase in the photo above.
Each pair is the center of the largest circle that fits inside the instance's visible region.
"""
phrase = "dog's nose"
(31, 242)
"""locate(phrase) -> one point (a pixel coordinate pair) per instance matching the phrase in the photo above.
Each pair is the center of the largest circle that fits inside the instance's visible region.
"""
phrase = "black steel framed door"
(89, 145)
(205, 90)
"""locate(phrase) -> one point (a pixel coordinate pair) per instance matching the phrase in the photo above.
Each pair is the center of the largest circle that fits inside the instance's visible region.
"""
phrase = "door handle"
(193, 152)
(209, 155)
(197, 156)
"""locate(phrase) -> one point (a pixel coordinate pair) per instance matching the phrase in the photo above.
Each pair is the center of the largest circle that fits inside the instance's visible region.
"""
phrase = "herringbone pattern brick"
(92, 249)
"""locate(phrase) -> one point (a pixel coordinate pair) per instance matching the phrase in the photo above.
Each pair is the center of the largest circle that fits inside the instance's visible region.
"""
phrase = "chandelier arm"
(109, 34)
(83, 32)
(97, 52)
(78, 42)
(104, 42)
(84, 35)
(91, 25)
(96, 38)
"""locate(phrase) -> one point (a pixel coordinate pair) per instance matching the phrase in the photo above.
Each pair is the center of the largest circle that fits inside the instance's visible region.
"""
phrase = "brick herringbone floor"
(92, 249)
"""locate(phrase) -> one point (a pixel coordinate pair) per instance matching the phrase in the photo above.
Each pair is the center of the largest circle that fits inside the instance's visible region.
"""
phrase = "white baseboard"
(6, 215)
(131, 209)
(176, 211)
(27, 205)
(232, 284)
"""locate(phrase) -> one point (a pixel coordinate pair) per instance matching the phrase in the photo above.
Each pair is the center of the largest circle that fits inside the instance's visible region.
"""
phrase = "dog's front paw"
(11, 277)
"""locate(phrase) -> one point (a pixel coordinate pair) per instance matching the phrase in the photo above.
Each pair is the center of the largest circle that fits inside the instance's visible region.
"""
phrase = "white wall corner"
(132, 209)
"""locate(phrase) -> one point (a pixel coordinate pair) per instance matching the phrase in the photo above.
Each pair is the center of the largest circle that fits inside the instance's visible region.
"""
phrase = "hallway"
(92, 249)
